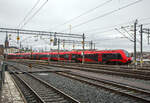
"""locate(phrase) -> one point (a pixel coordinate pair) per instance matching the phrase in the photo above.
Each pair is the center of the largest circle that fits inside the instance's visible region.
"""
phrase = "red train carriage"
(114, 56)
(104, 56)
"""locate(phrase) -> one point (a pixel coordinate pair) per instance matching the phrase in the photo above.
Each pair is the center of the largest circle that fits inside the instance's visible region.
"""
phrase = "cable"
(127, 32)
(124, 35)
(113, 28)
(84, 13)
(146, 24)
(108, 27)
(28, 13)
(107, 30)
(103, 31)
(131, 35)
(97, 40)
(142, 19)
(34, 14)
(105, 14)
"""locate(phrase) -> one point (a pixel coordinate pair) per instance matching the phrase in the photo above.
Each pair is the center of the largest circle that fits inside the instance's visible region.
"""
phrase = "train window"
(61, 56)
(66, 56)
(119, 56)
(126, 53)
(79, 56)
(73, 55)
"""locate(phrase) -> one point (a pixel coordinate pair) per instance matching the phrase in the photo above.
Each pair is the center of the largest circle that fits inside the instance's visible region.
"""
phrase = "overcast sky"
(85, 16)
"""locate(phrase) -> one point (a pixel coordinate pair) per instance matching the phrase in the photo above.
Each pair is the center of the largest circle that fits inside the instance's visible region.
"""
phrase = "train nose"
(129, 60)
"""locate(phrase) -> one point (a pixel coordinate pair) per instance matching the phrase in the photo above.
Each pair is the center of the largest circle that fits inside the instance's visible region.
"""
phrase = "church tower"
(6, 41)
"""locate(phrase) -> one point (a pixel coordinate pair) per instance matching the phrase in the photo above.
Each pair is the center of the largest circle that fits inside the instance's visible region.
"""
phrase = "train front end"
(127, 57)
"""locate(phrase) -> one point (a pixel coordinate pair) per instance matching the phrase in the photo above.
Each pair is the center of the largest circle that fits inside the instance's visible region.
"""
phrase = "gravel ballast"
(84, 92)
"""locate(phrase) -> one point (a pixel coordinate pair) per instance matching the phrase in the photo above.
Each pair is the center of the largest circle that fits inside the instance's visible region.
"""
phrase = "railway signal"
(18, 38)
(9, 36)
(51, 40)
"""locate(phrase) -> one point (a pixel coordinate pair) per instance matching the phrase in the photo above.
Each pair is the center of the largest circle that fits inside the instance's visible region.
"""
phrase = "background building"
(1, 49)
(11, 49)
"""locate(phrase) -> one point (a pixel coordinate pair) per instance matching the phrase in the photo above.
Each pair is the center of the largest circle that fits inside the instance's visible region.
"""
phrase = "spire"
(6, 41)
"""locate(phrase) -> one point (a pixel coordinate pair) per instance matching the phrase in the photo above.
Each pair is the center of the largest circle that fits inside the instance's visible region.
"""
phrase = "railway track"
(121, 72)
(36, 90)
(121, 68)
(138, 74)
(136, 93)
(145, 67)
(123, 89)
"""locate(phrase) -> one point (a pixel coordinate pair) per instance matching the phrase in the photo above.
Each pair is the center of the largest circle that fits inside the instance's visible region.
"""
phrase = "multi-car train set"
(102, 57)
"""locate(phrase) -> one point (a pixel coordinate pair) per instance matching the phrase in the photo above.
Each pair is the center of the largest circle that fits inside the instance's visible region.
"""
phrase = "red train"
(104, 56)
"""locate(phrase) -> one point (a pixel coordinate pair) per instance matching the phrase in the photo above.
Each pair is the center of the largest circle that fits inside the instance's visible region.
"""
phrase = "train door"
(73, 57)
(69, 57)
(37, 56)
(99, 58)
(104, 58)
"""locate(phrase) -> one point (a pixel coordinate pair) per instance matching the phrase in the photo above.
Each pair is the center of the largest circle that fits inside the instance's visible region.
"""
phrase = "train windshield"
(126, 53)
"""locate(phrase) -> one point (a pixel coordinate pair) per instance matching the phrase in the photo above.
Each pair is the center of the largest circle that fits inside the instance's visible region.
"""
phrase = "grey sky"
(56, 12)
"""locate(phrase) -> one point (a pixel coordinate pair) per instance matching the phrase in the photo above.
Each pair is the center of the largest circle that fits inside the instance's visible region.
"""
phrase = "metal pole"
(58, 47)
(48, 58)
(3, 73)
(20, 47)
(91, 45)
(70, 28)
(6, 45)
(148, 36)
(141, 31)
(135, 43)
(83, 49)
(49, 55)
(94, 46)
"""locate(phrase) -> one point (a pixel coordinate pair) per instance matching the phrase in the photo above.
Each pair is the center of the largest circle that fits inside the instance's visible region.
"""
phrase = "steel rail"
(71, 99)
(66, 96)
(112, 72)
(109, 85)
(37, 97)
(120, 72)
(124, 89)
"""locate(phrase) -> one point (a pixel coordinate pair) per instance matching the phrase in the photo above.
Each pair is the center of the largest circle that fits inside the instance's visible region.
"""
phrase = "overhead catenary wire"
(131, 35)
(108, 27)
(27, 15)
(130, 39)
(86, 12)
(25, 23)
(97, 40)
(111, 28)
(124, 35)
(104, 31)
(105, 14)
(127, 32)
